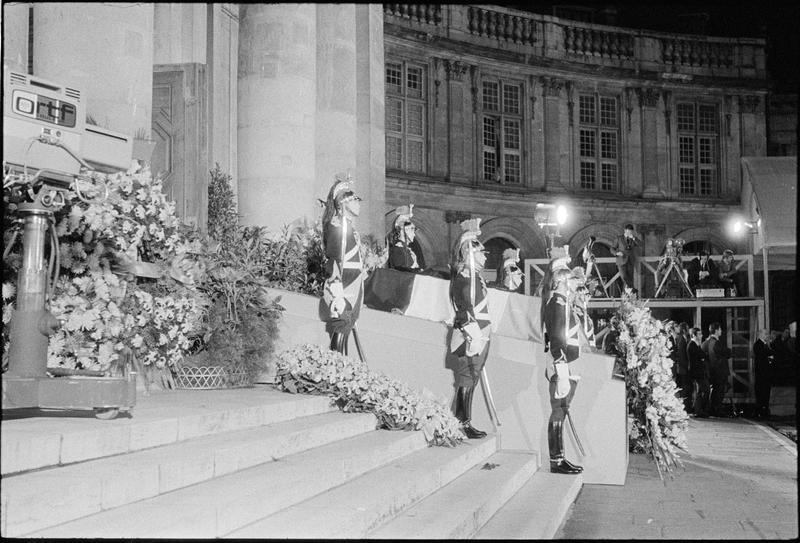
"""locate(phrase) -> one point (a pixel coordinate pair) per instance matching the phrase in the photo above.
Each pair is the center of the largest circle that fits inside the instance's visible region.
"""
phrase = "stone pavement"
(739, 481)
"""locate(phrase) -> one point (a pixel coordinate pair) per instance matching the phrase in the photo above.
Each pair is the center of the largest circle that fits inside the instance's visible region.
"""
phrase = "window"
(406, 105)
(598, 142)
(698, 144)
(502, 132)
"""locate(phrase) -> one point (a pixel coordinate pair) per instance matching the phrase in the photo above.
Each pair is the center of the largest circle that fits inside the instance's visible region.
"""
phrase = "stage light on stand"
(550, 218)
(739, 226)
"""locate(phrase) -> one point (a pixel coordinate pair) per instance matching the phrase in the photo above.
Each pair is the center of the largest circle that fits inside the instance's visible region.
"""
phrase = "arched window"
(694, 247)
(495, 248)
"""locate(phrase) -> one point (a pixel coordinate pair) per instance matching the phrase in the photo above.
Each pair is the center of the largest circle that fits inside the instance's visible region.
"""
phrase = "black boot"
(555, 442)
(573, 466)
(337, 343)
(463, 412)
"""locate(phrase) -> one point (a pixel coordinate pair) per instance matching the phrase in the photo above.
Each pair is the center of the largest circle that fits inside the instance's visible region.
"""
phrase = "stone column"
(459, 108)
(181, 33)
(336, 97)
(277, 110)
(370, 115)
(648, 101)
(551, 90)
(106, 51)
(15, 36)
(222, 66)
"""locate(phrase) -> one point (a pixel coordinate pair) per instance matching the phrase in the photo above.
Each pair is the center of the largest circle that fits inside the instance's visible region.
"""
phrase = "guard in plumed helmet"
(562, 331)
(472, 324)
(405, 253)
(343, 292)
(509, 276)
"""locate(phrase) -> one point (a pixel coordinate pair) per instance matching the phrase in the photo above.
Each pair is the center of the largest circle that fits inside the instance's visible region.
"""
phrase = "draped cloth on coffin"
(424, 297)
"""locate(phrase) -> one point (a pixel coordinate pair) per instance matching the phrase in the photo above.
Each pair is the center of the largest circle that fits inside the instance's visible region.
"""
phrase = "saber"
(358, 345)
(487, 395)
(574, 433)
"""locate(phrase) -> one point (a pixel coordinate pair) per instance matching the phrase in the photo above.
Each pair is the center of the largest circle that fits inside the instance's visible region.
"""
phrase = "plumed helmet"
(559, 258)
(578, 273)
(341, 190)
(404, 214)
(470, 230)
(510, 257)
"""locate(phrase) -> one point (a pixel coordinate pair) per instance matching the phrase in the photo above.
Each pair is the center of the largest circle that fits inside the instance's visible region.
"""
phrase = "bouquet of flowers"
(311, 369)
(657, 419)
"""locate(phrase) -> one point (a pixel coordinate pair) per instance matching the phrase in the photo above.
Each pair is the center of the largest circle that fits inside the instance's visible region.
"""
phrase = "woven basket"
(209, 377)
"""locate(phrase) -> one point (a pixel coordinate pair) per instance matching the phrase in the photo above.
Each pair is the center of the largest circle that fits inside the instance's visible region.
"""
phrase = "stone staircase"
(263, 464)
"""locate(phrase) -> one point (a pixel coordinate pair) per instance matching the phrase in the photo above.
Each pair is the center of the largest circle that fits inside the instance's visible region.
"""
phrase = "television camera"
(671, 263)
(48, 149)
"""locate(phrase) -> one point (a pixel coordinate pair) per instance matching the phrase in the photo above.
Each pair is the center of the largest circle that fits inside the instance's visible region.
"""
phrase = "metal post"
(28, 333)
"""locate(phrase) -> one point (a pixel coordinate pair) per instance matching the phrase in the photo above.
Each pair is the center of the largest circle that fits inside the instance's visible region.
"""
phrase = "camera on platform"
(41, 119)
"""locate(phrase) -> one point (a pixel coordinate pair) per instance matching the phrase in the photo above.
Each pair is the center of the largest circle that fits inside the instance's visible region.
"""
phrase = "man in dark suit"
(718, 355)
(763, 355)
(698, 369)
(626, 249)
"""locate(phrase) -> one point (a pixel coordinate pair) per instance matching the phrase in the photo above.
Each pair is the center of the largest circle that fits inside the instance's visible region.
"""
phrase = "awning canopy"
(769, 193)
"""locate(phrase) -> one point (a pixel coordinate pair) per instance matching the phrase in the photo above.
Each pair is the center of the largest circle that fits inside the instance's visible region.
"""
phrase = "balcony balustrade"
(560, 39)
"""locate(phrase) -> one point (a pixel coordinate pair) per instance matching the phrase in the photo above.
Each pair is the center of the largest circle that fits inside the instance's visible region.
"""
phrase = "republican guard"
(472, 324)
(343, 292)
(562, 332)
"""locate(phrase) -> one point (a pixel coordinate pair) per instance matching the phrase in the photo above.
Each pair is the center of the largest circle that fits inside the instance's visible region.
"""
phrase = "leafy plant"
(222, 215)
(311, 369)
(241, 324)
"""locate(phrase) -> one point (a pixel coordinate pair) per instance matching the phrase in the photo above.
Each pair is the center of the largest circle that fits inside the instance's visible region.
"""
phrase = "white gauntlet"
(337, 302)
(474, 338)
(562, 379)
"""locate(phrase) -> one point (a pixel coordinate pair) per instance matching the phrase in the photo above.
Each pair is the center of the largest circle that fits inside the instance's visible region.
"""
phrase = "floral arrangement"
(311, 369)
(657, 419)
(104, 234)
(373, 253)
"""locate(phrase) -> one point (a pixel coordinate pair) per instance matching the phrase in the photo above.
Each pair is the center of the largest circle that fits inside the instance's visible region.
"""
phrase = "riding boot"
(463, 412)
(555, 442)
(337, 342)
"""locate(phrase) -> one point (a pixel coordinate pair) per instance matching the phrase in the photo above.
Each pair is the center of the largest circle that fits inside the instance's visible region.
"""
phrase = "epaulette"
(560, 301)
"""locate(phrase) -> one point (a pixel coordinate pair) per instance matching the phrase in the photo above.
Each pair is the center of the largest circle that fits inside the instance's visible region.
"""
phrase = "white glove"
(562, 380)
(337, 306)
(474, 337)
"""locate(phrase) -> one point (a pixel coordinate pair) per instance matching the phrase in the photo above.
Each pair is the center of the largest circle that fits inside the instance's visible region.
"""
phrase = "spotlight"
(738, 226)
(561, 215)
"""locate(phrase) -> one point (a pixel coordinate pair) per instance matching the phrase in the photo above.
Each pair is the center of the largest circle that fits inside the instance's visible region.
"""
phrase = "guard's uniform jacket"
(470, 306)
(345, 274)
(562, 328)
(403, 258)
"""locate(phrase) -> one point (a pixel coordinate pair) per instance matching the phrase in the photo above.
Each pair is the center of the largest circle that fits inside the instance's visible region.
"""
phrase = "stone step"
(36, 500)
(221, 505)
(461, 508)
(537, 511)
(353, 509)
(163, 417)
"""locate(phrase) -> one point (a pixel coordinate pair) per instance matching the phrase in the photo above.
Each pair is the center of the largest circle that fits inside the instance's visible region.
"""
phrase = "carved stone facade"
(511, 109)
(630, 127)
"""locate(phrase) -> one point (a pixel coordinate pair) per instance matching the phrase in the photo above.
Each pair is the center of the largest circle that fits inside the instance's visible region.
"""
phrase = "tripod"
(590, 266)
(673, 268)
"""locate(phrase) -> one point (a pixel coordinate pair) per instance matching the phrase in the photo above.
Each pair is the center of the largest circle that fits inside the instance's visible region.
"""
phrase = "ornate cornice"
(455, 69)
(648, 97)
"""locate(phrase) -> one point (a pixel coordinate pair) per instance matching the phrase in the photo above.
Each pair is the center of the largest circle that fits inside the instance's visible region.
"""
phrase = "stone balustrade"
(501, 26)
(560, 39)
